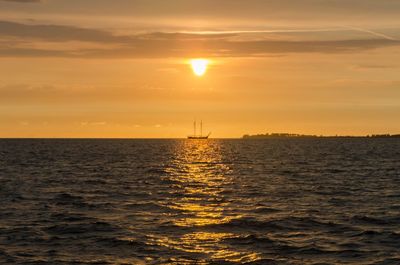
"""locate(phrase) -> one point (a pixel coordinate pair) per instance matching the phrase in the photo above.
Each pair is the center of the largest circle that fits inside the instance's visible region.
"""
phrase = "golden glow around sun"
(199, 66)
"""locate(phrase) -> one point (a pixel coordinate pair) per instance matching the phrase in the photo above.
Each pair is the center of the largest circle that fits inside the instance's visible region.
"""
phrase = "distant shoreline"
(246, 137)
(292, 135)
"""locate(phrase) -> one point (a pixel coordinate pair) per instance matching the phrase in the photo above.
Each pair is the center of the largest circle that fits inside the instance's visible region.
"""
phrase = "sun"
(199, 66)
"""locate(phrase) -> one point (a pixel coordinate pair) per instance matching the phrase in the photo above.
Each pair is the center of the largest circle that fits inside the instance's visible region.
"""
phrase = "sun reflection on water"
(201, 181)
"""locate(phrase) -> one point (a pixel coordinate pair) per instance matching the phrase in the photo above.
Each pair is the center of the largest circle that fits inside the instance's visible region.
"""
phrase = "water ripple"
(278, 201)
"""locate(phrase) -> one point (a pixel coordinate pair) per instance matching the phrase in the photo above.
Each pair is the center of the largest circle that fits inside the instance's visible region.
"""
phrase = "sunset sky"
(121, 68)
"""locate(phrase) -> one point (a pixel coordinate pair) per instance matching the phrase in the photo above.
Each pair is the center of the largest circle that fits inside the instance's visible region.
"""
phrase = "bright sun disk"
(199, 66)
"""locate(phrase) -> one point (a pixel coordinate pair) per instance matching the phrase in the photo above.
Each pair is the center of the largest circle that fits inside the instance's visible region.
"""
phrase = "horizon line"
(215, 138)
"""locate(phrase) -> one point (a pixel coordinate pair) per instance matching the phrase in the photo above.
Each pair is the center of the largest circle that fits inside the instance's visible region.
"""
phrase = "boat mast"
(201, 128)
(194, 125)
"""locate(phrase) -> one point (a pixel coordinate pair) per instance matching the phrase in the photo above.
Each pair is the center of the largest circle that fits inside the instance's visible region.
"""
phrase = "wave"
(281, 224)
(388, 261)
(113, 242)
(82, 228)
(265, 210)
(149, 207)
(66, 199)
(249, 240)
(262, 242)
(364, 219)
(70, 217)
(385, 238)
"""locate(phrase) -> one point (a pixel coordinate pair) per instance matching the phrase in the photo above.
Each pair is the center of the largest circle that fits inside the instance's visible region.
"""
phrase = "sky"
(100, 68)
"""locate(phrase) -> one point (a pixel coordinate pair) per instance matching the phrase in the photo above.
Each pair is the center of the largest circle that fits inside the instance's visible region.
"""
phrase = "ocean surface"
(273, 201)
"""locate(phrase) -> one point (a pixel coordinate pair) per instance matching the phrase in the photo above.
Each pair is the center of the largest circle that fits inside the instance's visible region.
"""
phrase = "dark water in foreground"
(288, 201)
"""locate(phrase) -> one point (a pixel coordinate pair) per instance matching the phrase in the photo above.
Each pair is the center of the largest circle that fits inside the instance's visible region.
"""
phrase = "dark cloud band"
(161, 45)
(22, 1)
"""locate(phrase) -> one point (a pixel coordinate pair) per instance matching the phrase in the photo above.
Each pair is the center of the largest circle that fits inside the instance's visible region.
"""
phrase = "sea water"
(273, 201)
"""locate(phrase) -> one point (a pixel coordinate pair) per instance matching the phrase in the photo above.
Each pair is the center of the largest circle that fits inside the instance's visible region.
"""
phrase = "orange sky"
(92, 69)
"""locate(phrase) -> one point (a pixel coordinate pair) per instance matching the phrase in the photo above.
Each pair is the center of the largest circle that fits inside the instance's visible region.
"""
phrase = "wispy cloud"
(374, 33)
(23, 1)
(374, 66)
(23, 40)
(93, 123)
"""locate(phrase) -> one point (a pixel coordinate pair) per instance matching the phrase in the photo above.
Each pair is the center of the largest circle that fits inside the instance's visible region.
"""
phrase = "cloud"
(378, 34)
(373, 66)
(249, 10)
(23, 1)
(23, 93)
(55, 32)
(24, 90)
(24, 123)
(23, 40)
(93, 123)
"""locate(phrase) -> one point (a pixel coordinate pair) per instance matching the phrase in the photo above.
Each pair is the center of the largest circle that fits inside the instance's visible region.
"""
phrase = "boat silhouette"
(200, 136)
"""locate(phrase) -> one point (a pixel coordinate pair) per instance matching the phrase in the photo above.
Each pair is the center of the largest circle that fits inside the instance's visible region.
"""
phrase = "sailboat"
(201, 136)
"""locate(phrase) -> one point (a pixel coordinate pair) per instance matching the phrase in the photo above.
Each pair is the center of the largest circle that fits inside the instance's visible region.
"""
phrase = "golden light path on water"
(202, 181)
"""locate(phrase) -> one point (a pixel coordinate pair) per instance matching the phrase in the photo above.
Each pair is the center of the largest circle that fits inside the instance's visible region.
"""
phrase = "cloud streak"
(374, 33)
(22, 40)
(22, 1)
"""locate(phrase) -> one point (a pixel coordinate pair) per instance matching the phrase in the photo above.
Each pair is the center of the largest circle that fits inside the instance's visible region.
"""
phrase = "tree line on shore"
(295, 135)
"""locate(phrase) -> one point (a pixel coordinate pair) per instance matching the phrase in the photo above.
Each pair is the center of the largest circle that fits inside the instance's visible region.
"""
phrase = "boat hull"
(197, 137)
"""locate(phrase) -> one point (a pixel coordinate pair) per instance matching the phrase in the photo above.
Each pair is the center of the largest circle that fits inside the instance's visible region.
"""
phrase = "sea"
(218, 201)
